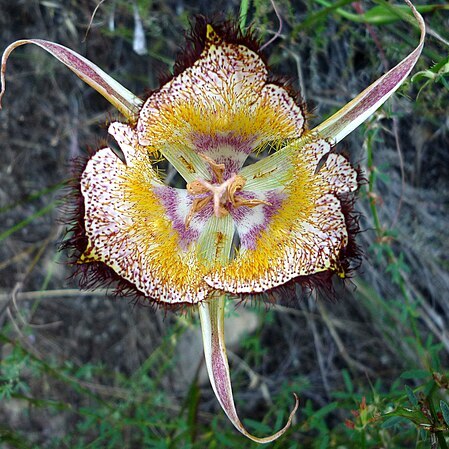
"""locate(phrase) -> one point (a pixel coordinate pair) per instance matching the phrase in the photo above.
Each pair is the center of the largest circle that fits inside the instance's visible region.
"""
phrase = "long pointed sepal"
(212, 327)
(343, 122)
(120, 97)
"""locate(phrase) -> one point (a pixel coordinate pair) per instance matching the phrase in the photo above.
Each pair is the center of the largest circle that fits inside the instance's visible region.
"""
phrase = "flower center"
(223, 193)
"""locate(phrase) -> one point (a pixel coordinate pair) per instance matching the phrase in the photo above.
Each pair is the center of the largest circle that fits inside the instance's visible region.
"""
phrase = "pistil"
(221, 193)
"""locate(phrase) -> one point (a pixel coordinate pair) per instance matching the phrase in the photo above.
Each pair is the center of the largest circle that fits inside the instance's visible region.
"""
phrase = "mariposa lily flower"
(237, 228)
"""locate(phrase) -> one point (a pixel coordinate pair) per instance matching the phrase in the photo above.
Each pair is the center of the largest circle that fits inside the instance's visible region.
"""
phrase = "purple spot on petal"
(204, 142)
(225, 148)
(232, 167)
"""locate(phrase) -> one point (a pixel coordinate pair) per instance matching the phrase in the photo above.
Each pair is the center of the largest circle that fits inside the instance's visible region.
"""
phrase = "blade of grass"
(34, 196)
(22, 224)
(244, 7)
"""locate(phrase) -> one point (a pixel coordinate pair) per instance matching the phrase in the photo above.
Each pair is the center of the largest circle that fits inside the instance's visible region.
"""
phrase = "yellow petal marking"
(307, 233)
(128, 229)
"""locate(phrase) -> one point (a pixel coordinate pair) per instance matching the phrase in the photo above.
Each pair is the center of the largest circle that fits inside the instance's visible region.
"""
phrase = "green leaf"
(415, 374)
(347, 380)
(394, 421)
(322, 412)
(377, 15)
(411, 396)
(383, 15)
(324, 444)
(244, 7)
(445, 411)
(258, 426)
(416, 416)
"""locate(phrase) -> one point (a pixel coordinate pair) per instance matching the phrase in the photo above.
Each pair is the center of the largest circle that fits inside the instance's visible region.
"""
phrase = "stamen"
(220, 193)
(198, 205)
(218, 169)
(239, 202)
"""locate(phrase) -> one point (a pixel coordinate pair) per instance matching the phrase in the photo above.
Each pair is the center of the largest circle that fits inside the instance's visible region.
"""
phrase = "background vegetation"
(86, 370)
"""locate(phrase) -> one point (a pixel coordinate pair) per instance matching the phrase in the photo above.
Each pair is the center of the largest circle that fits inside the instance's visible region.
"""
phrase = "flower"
(236, 228)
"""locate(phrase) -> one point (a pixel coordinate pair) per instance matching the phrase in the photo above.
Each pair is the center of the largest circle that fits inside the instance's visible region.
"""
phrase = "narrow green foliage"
(28, 220)
(411, 396)
(244, 7)
(445, 411)
(383, 14)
